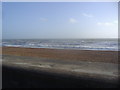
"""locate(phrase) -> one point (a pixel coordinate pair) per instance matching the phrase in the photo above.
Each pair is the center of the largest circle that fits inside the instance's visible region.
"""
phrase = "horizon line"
(60, 38)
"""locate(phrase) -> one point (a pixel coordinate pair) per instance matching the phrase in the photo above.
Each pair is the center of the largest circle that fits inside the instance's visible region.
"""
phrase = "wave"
(65, 44)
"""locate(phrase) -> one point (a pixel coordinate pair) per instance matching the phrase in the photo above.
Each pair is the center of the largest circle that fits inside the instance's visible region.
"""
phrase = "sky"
(0, 21)
(39, 20)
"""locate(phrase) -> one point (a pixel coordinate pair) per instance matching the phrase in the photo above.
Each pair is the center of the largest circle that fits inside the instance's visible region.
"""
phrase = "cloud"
(43, 19)
(99, 23)
(72, 20)
(87, 15)
(116, 21)
(107, 23)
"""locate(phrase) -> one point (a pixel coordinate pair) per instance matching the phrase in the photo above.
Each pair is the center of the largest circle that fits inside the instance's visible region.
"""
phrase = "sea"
(76, 44)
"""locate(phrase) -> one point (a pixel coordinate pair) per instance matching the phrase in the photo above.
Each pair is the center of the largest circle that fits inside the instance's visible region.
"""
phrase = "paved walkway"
(109, 70)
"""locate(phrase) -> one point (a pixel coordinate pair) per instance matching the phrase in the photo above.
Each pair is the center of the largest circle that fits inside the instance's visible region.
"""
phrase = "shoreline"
(64, 54)
(62, 49)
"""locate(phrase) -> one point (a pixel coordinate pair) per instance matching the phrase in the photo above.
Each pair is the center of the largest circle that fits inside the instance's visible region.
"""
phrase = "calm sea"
(77, 44)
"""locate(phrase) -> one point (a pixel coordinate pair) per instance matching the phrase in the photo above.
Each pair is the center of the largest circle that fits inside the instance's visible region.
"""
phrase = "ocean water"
(77, 44)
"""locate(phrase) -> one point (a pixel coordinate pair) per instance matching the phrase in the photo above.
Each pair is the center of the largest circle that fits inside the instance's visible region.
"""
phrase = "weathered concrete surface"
(52, 73)
(0, 71)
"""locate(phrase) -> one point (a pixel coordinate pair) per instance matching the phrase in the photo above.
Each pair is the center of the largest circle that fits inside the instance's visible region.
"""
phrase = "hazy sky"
(0, 21)
(60, 20)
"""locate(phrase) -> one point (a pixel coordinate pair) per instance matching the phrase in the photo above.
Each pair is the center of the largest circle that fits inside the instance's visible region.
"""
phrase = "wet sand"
(58, 54)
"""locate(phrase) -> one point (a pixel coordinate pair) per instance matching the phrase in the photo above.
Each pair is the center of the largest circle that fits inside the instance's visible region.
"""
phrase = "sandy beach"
(76, 55)
(57, 65)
